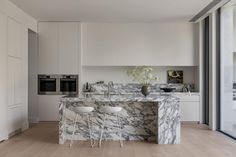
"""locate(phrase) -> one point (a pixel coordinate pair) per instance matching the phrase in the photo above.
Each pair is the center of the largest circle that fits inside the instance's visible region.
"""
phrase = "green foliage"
(142, 74)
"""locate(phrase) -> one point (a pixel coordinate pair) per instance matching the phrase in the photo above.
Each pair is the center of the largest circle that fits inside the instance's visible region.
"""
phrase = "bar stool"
(113, 111)
(83, 111)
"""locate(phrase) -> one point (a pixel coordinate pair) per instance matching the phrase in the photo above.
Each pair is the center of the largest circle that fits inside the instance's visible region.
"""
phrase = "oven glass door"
(68, 85)
(47, 85)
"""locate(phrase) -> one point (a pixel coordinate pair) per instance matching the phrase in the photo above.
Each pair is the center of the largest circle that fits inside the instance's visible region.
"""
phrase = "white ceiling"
(112, 10)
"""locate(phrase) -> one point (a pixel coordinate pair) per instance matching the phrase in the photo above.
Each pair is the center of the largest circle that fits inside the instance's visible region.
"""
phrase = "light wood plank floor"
(41, 141)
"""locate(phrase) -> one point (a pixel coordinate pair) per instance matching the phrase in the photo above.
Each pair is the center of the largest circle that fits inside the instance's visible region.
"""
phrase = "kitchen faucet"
(109, 86)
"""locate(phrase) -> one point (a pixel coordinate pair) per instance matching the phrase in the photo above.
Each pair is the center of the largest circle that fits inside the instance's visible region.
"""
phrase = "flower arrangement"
(143, 74)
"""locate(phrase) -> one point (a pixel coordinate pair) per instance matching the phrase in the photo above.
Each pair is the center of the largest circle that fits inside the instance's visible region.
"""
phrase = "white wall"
(118, 74)
(33, 73)
(128, 44)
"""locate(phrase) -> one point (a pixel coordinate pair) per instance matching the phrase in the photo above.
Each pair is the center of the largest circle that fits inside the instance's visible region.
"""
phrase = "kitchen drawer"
(190, 111)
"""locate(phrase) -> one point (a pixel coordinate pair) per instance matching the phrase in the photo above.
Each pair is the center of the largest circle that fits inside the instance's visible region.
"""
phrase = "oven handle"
(68, 79)
(48, 79)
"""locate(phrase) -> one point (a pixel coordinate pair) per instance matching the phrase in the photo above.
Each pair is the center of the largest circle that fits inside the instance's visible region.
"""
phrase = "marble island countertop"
(122, 98)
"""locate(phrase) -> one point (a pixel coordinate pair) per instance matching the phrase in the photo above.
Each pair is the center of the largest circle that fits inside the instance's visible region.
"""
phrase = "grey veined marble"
(151, 118)
(131, 88)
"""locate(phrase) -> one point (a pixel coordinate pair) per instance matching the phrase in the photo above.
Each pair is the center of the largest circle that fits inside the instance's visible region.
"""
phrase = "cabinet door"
(15, 94)
(15, 118)
(68, 47)
(48, 47)
(14, 81)
(14, 38)
(48, 106)
(189, 111)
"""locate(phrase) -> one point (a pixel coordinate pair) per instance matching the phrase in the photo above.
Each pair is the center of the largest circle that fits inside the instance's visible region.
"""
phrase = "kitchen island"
(152, 118)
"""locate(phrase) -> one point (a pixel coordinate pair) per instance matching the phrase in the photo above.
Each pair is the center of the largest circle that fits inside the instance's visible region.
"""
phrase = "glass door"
(228, 71)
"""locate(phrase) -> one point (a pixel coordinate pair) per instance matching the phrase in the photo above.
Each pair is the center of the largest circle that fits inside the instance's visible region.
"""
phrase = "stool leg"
(64, 121)
(71, 140)
(103, 127)
(119, 128)
(90, 131)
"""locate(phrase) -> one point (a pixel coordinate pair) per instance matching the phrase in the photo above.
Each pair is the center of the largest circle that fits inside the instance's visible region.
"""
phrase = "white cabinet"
(17, 75)
(58, 47)
(190, 111)
(189, 106)
(48, 48)
(48, 107)
(14, 24)
(14, 81)
(15, 97)
(15, 118)
(58, 54)
(14, 38)
(68, 48)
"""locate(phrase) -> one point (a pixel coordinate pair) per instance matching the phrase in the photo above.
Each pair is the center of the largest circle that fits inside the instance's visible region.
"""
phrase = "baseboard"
(16, 132)
(190, 122)
(3, 138)
(33, 120)
(24, 126)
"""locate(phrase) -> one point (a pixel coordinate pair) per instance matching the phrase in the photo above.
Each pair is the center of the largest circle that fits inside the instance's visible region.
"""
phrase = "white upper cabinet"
(68, 47)
(48, 47)
(130, 44)
(14, 38)
(58, 47)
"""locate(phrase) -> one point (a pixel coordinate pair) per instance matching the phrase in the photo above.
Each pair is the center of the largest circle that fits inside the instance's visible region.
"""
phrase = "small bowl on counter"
(167, 89)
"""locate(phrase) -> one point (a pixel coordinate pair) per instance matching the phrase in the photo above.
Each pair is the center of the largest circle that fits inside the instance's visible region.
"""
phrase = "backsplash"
(100, 88)
(119, 75)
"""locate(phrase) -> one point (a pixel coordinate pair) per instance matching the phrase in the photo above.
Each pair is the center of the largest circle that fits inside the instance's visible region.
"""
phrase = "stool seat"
(83, 109)
(111, 109)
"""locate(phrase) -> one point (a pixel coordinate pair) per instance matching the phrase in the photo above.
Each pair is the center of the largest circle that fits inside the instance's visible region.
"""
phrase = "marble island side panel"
(152, 118)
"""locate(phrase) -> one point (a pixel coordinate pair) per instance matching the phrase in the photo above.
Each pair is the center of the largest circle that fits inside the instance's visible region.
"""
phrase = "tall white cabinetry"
(14, 24)
(17, 75)
(68, 48)
(59, 49)
(48, 48)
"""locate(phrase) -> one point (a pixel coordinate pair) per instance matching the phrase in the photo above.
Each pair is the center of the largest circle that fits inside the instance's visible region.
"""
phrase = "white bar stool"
(83, 111)
(115, 111)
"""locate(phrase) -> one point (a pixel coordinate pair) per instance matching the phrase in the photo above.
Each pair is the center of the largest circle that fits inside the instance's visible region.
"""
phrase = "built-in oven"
(68, 84)
(57, 84)
(47, 84)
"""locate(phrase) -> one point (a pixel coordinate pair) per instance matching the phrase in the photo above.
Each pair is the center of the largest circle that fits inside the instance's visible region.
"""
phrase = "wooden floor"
(41, 141)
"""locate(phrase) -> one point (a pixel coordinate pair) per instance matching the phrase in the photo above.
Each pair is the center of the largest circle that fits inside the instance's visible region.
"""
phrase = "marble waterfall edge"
(152, 118)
